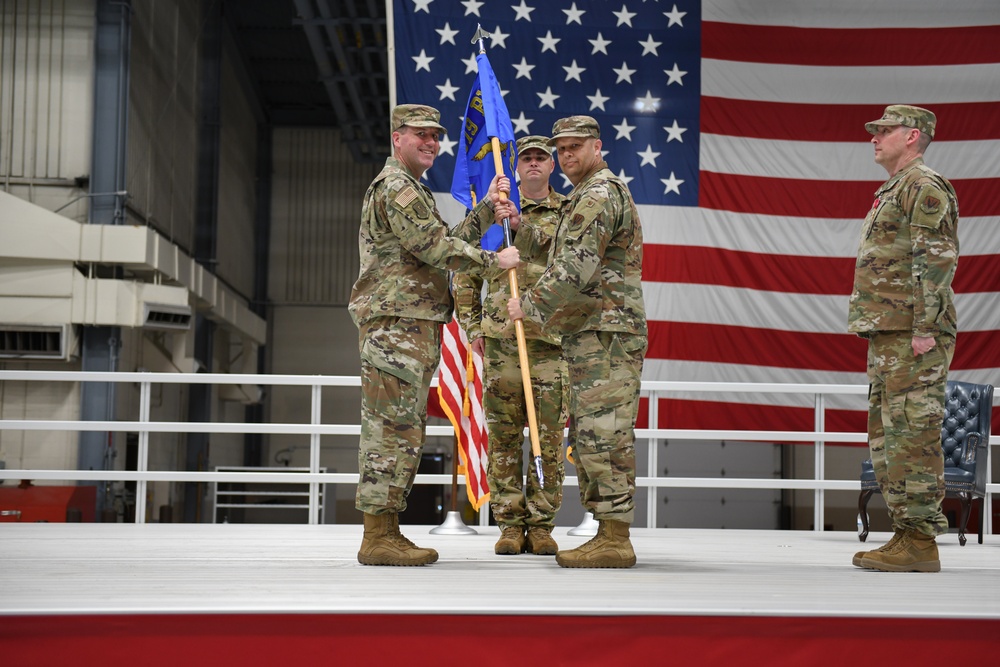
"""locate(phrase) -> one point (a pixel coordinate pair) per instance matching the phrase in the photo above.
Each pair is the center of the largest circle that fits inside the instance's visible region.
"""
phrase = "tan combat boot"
(539, 541)
(383, 544)
(609, 548)
(511, 541)
(885, 547)
(913, 552)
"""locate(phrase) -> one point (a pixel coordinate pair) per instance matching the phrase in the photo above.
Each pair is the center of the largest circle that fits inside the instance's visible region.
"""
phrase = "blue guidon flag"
(486, 117)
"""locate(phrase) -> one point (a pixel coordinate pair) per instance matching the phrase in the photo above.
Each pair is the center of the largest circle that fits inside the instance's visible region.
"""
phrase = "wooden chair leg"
(982, 513)
(863, 513)
(966, 500)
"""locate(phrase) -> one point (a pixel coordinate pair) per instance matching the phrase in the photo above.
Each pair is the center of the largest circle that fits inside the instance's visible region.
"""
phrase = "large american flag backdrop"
(739, 127)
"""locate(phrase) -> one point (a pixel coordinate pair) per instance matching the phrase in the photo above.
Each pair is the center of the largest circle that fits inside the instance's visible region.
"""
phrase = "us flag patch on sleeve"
(406, 196)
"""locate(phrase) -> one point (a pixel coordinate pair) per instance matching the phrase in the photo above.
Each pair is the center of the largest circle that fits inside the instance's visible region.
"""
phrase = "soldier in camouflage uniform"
(591, 295)
(904, 305)
(398, 303)
(525, 516)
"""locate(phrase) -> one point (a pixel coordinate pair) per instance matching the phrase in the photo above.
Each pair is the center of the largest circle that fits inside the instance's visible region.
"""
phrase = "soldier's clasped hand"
(509, 258)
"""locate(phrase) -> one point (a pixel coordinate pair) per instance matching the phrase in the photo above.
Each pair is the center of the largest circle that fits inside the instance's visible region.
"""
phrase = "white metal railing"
(652, 389)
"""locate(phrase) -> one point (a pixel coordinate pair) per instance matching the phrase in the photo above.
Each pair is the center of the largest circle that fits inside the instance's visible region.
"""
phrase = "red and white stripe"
(753, 284)
(471, 428)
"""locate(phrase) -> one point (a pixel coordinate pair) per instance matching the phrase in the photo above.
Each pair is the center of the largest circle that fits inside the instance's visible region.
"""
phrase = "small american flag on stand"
(460, 393)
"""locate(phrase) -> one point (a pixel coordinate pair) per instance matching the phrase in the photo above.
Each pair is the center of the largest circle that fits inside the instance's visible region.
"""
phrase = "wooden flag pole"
(522, 345)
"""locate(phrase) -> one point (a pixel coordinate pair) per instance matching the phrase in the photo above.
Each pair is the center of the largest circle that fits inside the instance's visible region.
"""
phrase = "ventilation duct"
(165, 317)
(37, 342)
(38, 284)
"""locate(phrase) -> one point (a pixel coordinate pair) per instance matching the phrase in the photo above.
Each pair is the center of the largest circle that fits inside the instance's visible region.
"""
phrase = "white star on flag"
(574, 71)
(648, 156)
(649, 46)
(674, 132)
(523, 11)
(624, 129)
(673, 184)
(600, 44)
(447, 90)
(675, 75)
(624, 16)
(472, 7)
(423, 61)
(597, 100)
(548, 98)
(624, 73)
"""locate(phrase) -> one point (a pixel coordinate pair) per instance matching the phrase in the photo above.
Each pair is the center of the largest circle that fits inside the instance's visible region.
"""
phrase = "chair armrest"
(977, 454)
(970, 451)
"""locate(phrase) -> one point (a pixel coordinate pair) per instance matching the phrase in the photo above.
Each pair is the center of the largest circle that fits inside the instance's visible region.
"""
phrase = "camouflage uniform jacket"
(406, 251)
(488, 317)
(594, 278)
(907, 257)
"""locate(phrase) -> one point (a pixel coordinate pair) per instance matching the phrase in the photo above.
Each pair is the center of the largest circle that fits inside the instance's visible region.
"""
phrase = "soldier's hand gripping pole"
(522, 345)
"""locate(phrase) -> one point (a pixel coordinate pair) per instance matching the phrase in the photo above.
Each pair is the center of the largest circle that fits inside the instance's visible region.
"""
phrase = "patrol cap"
(416, 115)
(904, 114)
(533, 141)
(575, 126)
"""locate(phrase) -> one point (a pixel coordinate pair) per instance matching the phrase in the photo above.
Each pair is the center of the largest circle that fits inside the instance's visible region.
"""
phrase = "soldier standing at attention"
(591, 295)
(525, 516)
(399, 302)
(904, 305)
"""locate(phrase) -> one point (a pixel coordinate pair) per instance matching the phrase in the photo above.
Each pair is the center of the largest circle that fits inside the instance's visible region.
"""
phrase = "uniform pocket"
(604, 396)
(403, 349)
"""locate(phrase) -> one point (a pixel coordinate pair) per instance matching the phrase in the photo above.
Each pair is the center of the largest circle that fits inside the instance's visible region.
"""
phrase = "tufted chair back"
(965, 440)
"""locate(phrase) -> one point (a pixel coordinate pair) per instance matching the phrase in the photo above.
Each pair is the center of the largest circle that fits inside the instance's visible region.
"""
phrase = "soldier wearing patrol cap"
(903, 304)
(399, 302)
(591, 296)
(525, 516)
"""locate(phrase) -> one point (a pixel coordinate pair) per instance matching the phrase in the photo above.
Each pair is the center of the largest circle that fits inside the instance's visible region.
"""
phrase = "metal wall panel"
(162, 139)
(316, 208)
(47, 450)
(46, 84)
(237, 178)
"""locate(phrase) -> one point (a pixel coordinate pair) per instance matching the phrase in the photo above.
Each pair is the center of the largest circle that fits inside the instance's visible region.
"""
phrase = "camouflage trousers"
(398, 359)
(605, 370)
(506, 415)
(906, 397)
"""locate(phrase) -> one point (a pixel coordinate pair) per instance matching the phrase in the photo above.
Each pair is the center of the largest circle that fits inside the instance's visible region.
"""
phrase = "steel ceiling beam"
(343, 45)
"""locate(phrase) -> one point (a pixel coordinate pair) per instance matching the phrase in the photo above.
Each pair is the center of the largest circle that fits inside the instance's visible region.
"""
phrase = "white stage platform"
(97, 569)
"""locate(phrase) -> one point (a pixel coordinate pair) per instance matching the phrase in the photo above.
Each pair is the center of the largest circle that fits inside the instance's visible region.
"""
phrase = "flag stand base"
(453, 525)
(588, 527)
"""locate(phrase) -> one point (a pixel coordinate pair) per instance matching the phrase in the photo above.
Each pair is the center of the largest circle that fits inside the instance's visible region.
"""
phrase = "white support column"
(314, 441)
(653, 458)
(142, 464)
(819, 498)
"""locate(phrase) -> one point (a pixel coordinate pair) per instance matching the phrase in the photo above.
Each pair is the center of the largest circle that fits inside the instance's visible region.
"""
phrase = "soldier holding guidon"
(399, 302)
(525, 516)
(591, 296)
